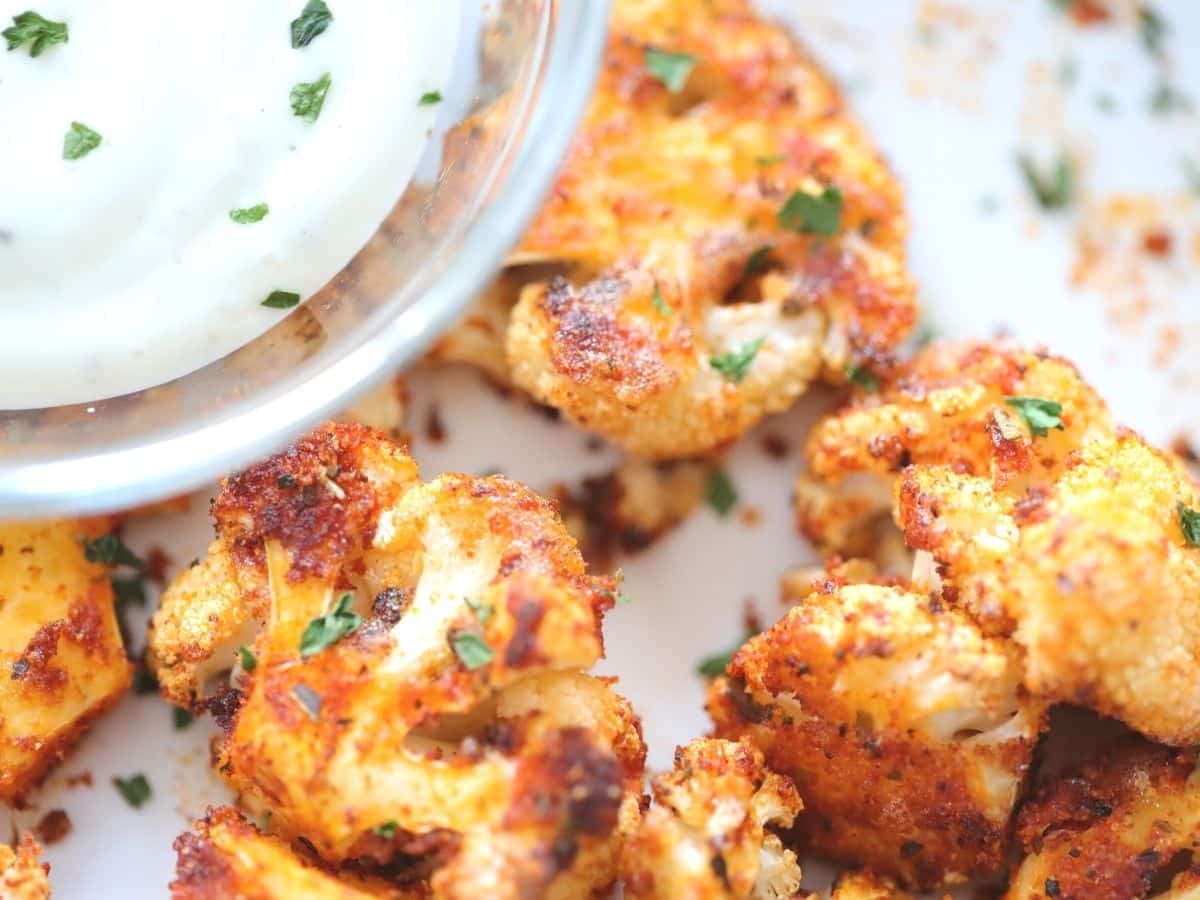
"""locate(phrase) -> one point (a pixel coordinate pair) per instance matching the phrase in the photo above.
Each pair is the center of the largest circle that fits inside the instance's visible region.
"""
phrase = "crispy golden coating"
(227, 858)
(1093, 570)
(63, 660)
(1102, 833)
(945, 407)
(458, 711)
(865, 885)
(708, 833)
(666, 202)
(902, 725)
(1056, 539)
(22, 875)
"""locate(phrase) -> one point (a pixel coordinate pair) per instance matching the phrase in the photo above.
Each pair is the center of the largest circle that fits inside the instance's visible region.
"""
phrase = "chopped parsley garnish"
(672, 69)
(266, 821)
(471, 649)
(616, 593)
(110, 550)
(1039, 413)
(331, 627)
(1052, 190)
(864, 378)
(758, 261)
(1106, 103)
(387, 830)
(483, 611)
(313, 19)
(129, 591)
(247, 658)
(772, 160)
(430, 98)
(925, 334)
(1189, 524)
(36, 31)
(249, 214)
(1168, 99)
(80, 141)
(1191, 174)
(309, 700)
(712, 666)
(135, 789)
(308, 97)
(281, 299)
(1152, 27)
(143, 681)
(180, 718)
(813, 213)
(660, 305)
(720, 493)
(735, 364)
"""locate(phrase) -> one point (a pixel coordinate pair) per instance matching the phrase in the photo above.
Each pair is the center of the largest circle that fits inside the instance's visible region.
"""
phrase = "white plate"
(951, 103)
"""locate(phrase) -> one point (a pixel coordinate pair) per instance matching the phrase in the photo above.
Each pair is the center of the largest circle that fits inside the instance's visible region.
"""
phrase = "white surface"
(133, 241)
(979, 271)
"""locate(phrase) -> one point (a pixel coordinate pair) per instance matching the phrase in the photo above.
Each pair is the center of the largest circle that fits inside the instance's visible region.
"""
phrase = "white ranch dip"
(122, 269)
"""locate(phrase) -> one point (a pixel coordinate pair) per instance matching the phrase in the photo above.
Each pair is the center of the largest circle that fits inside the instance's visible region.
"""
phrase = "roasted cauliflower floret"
(709, 832)
(437, 713)
(1035, 514)
(948, 406)
(720, 241)
(226, 857)
(1103, 832)
(63, 659)
(631, 506)
(22, 875)
(1094, 571)
(902, 725)
(865, 885)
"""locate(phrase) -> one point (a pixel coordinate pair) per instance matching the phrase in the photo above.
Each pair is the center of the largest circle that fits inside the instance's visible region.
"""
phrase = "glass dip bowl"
(522, 76)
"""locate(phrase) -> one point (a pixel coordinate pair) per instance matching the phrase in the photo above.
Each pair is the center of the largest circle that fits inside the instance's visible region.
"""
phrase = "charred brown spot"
(523, 649)
(390, 604)
(572, 785)
(53, 826)
(224, 706)
(199, 865)
(289, 498)
(1032, 507)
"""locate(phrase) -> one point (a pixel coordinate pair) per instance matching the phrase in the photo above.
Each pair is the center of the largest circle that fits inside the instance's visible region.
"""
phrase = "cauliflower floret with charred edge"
(902, 725)
(743, 216)
(866, 885)
(226, 857)
(458, 711)
(1104, 832)
(22, 874)
(63, 660)
(947, 406)
(1072, 564)
(709, 831)
(1053, 536)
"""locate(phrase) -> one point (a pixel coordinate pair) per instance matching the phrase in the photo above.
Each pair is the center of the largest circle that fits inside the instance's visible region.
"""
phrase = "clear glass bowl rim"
(196, 454)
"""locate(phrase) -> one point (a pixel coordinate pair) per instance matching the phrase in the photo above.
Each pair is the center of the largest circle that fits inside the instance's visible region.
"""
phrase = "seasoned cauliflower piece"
(63, 659)
(708, 833)
(632, 506)
(1098, 553)
(947, 406)
(22, 875)
(442, 718)
(1035, 514)
(722, 241)
(902, 725)
(865, 885)
(1103, 833)
(226, 857)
